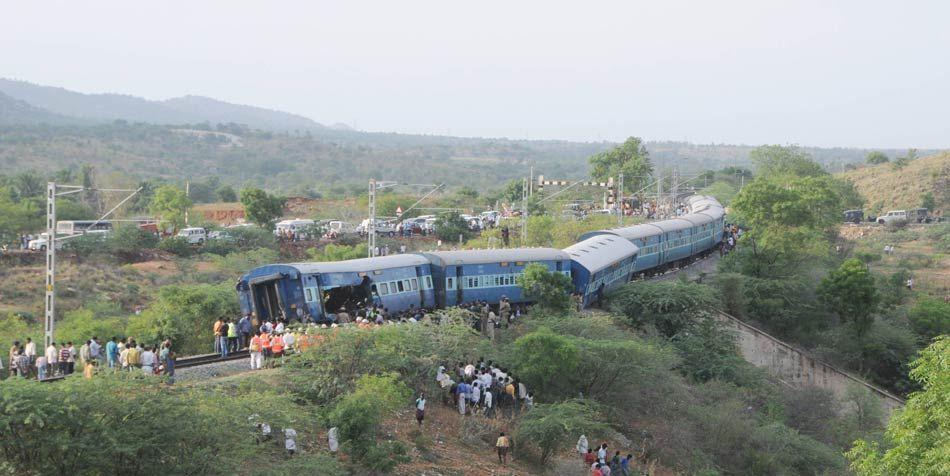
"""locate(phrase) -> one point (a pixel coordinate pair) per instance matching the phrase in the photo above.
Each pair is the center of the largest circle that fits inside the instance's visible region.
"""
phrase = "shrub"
(333, 252)
(541, 354)
(185, 314)
(359, 414)
(176, 245)
(671, 307)
(450, 225)
(127, 242)
(554, 426)
(930, 318)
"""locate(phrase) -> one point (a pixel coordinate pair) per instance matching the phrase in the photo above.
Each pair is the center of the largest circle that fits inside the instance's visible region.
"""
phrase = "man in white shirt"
(95, 350)
(52, 359)
(30, 350)
(148, 361)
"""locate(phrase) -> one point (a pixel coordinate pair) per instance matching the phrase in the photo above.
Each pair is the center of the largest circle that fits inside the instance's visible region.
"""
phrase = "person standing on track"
(421, 409)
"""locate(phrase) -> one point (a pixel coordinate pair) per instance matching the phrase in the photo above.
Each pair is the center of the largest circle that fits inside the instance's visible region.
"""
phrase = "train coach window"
(503, 264)
(377, 272)
(559, 265)
(449, 283)
(399, 286)
(405, 284)
(415, 284)
(519, 263)
(384, 289)
(428, 282)
(309, 295)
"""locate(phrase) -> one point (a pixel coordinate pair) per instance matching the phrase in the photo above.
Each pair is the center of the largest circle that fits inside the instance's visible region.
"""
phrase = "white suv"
(194, 236)
(893, 216)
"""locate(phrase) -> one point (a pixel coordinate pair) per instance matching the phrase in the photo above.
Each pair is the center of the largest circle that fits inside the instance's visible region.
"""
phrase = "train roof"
(443, 258)
(349, 266)
(601, 251)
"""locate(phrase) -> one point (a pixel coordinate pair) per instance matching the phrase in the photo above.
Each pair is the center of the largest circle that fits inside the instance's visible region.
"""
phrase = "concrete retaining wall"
(796, 368)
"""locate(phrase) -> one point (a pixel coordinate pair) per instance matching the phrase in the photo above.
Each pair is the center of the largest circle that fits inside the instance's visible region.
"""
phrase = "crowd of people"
(730, 239)
(61, 359)
(600, 461)
(482, 388)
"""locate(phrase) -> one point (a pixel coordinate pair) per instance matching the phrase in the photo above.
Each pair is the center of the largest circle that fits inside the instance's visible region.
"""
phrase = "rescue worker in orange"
(277, 345)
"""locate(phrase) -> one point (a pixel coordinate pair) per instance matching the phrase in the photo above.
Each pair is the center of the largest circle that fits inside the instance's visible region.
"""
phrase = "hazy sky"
(850, 73)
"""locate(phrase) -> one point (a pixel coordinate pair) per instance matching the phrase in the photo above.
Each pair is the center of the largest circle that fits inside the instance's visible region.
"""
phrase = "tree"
(876, 157)
(776, 160)
(185, 314)
(226, 194)
(851, 294)
(127, 241)
(551, 290)
(170, 203)
(541, 355)
(554, 426)
(928, 201)
(261, 207)
(916, 438)
(449, 225)
(630, 159)
(333, 252)
(28, 184)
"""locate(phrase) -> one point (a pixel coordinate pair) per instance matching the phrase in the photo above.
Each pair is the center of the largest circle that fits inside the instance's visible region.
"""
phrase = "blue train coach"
(487, 275)
(600, 264)
(323, 288)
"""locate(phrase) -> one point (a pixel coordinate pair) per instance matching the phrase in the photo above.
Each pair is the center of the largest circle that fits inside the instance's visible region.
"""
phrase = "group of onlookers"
(61, 359)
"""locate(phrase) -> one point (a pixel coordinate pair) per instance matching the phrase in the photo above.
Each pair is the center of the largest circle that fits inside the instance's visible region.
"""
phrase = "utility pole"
(49, 317)
(187, 195)
(524, 213)
(371, 224)
(531, 181)
(620, 202)
(674, 179)
(659, 191)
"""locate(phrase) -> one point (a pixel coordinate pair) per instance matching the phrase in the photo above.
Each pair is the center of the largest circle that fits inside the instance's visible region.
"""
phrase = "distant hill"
(15, 111)
(182, 110)
(888, 188)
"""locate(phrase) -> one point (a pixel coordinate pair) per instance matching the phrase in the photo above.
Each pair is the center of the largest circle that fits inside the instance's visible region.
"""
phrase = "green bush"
(185, 314)
(449, 225)
(359, 414)
(671, 307)
(930, 318)
(128, 242)
(176, 245)
(554, 426)
(333, 252)
(109, 424)
(542, 354)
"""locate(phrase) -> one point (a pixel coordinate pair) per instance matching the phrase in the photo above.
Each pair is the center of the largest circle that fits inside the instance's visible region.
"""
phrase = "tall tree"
(916, 440)
(851, 293)
(170, 203)
(261, 207)
(777, 160)
(877, 157)
(630, 158)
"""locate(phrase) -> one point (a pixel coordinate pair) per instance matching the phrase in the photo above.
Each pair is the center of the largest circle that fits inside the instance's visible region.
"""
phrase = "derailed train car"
(600, 262)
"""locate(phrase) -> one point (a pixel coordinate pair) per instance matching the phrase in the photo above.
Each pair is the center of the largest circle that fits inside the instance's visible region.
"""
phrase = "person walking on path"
(582, 446)
(502, 445)
(420, 409)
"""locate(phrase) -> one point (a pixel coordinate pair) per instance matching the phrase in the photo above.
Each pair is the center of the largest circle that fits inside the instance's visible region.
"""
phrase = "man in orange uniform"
(265, 344)
(277, 345)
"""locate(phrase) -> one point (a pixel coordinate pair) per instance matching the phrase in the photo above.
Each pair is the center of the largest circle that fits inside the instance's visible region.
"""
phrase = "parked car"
(854, 216)
(42, 242)
(382, 227)
(194, 236)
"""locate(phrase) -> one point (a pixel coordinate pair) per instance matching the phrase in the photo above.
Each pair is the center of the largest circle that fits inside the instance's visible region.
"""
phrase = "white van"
(194, 236)
(296, 227)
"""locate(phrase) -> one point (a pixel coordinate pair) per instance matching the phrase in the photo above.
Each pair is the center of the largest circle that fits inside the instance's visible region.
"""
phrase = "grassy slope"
(886, 188)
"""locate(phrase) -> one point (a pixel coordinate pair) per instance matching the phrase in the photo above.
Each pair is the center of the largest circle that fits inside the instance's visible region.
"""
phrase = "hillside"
(14, 111)
(887, 188)
(183, 110)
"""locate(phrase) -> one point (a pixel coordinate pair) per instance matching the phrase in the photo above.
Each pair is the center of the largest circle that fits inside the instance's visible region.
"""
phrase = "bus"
(78, 227)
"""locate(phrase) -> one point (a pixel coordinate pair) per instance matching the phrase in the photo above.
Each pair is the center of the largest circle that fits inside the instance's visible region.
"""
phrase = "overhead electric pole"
(49, 316)
(371, 224)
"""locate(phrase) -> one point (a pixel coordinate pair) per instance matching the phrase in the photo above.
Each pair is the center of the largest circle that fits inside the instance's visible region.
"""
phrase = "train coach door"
(459, 297)
(422, 286)
(267, 300)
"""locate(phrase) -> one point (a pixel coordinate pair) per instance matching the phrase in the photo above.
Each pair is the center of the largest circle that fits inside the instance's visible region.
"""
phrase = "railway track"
(191, 361)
